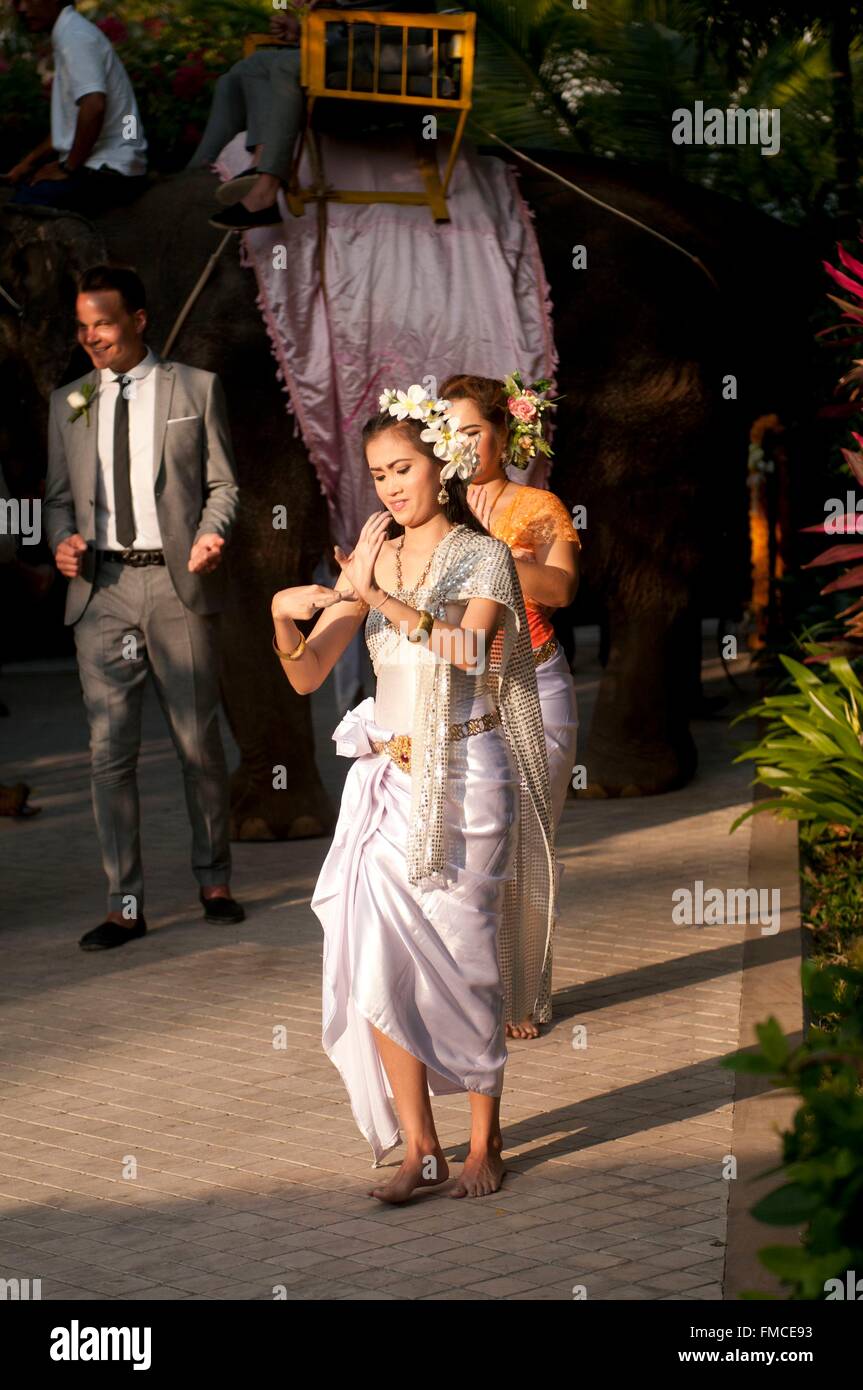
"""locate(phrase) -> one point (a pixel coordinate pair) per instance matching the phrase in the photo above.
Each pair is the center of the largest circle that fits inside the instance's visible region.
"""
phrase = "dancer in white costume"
(436, 897)
(504, 420)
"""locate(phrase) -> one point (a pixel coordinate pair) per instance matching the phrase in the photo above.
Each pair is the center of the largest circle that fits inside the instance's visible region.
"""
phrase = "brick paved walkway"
(250, 1172)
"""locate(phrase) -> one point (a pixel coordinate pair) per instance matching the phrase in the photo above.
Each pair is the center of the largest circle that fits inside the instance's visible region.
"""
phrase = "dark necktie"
(124, 517)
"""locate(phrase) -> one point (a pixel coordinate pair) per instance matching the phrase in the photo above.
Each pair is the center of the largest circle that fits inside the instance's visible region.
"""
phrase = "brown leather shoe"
(222, 911)
(13, 801)
(109, 934)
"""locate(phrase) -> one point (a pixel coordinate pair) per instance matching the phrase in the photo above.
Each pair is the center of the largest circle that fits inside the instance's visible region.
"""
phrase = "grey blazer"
(194, 479)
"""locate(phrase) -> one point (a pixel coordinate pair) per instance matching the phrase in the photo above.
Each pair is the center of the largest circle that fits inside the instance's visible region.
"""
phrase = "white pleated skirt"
(418, 963)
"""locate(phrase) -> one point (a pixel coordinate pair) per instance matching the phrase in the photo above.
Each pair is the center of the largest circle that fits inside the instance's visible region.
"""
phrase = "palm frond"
(512, 93)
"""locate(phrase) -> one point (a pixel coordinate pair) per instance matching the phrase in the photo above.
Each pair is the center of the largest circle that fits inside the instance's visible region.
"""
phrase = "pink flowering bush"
(113, 29)
(173, 52)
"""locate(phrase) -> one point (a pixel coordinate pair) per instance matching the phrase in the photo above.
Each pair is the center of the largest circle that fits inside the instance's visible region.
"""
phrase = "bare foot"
(262, 194)
(419, 1169)
(481, 1175)
(526, 1028)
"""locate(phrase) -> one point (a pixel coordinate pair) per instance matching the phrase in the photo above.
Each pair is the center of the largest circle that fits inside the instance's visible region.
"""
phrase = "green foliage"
(615, 72)
(24, 108)
(511, 95)
(604, 80)
(833, 898)
(822, 1153)
(811, 754)
(173, 54)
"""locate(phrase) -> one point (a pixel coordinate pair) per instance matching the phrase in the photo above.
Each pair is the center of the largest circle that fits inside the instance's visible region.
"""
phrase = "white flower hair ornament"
(457, 450)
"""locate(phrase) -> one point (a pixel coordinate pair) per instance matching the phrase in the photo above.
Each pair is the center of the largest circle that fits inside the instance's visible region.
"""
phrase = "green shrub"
(832, 882)
(811, 755)
(822, 1153)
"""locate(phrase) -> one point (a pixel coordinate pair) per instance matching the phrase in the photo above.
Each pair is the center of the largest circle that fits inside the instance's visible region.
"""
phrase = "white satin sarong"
(560, 724)
(422, 966)
(556, 690)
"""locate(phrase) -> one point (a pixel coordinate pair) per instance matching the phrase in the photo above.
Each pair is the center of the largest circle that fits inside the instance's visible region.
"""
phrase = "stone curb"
(771, 985)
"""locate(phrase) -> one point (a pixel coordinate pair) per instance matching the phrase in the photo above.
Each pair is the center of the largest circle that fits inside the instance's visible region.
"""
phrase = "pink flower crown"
(526, 406)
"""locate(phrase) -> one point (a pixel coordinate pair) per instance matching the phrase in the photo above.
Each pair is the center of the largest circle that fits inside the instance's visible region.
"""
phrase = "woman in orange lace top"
(545, 546)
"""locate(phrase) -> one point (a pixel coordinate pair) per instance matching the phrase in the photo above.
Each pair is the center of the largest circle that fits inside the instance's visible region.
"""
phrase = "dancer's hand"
(359, 567)
(526, 556)
(480, 504)
(305, 600)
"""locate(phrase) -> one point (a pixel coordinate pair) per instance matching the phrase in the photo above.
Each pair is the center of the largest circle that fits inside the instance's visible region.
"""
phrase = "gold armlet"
(425, 625)
(290, 656)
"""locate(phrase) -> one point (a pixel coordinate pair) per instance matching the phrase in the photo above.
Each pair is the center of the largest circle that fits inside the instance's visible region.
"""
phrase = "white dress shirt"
(142, 418)
(84, 62)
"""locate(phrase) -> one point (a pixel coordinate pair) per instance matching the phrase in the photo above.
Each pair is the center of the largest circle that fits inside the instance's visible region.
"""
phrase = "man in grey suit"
(139, 503)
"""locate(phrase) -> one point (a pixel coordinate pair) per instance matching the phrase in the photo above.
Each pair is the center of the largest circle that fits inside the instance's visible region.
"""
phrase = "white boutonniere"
(80, 401)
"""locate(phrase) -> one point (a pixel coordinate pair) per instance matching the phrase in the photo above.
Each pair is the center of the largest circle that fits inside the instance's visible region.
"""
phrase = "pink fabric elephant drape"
(406, 300)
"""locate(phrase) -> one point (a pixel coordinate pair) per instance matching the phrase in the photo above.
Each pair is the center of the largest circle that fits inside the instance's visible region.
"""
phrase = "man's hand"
(206, 554)
(285, 27)
(21, 173)
(69, 556)
(52, 172)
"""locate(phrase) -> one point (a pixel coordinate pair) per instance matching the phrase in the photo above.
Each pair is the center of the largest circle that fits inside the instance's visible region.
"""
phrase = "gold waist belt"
(545, 652)
(399, 746)
(540, 654)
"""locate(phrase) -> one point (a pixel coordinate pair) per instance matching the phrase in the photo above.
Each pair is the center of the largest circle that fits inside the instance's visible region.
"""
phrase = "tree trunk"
(844, 133)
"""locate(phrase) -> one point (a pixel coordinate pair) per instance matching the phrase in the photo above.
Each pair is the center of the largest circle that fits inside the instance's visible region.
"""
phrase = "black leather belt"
(133, 557)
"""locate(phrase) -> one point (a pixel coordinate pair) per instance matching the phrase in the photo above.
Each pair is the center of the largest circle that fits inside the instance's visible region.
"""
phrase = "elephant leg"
(639, 742)
(276, 792)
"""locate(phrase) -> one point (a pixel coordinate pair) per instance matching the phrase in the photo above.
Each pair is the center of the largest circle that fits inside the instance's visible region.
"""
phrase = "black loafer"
(223, 911)
(236, 218)
(234, 190)
(109, 934)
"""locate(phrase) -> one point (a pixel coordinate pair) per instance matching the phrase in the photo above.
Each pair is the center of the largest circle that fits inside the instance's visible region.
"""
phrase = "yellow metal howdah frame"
(313, 78)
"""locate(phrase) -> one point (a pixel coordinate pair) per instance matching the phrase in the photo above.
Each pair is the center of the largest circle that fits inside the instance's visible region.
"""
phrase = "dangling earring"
(443, 495)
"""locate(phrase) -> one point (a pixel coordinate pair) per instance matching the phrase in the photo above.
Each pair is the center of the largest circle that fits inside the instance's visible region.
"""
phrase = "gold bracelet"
(376, 607)
(290, 656)
(425, 625)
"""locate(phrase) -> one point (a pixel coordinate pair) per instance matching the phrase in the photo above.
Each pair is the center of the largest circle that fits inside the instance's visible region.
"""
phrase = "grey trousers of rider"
(261, 95)
(135, 627)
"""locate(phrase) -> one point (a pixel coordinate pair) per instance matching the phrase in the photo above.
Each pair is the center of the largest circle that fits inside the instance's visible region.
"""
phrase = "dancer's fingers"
(375, 516)
(326, 599)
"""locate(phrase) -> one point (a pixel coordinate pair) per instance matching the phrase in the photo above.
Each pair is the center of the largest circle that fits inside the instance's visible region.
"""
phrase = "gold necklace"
(399, 580)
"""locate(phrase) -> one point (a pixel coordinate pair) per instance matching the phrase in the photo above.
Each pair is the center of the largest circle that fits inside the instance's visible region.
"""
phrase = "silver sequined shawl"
(468, 565)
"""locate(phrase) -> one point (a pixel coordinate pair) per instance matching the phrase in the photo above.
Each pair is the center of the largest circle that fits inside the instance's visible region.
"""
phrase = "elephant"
(664, 364)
